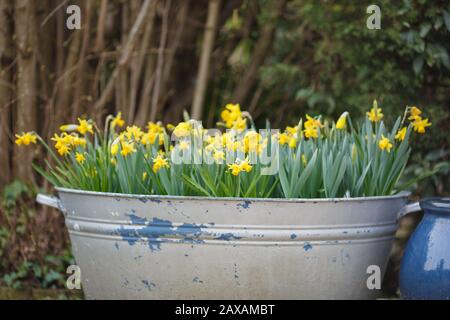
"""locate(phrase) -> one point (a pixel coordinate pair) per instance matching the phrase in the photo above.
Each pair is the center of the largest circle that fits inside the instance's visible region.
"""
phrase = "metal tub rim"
(402, 194)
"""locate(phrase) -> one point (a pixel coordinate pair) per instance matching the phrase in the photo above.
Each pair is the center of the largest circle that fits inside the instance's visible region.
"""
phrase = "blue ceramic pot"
(425, 269)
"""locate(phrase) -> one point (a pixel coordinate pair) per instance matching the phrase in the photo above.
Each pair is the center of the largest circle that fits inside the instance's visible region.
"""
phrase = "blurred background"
(152, 59)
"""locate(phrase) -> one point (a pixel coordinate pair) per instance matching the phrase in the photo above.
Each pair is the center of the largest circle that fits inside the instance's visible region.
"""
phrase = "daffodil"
(283, 138)
(133, 132)
(149, 138)
(63, 150)
(342, 121)
(117, 121)
(63, 143)
(234, 168)
(231, 114)
(80, 157)
(245, 166)
(84, 126)
(240, 125)
(420, 125)
(312, 122)
(292, 130)
(114, 148)
(159, 162)
(292, 142)
(155, 127)
(127, 148)
(68, 127)
(385, 144)
(375, 114)
(26, 138)
(414, 113)
(183, 129)
(311, 132)
(184, 145)
(400, 136)
(218, 156)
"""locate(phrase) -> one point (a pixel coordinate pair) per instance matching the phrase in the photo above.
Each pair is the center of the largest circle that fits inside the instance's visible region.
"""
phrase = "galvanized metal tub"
(175, 247)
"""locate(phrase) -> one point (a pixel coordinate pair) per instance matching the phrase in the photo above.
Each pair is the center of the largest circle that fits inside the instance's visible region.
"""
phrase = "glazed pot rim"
(439, 204)
(402, 194)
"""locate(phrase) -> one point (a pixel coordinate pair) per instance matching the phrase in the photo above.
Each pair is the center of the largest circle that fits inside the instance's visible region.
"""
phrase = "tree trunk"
(260, 52)
(6, 89)
(203, 70)
(25, 24)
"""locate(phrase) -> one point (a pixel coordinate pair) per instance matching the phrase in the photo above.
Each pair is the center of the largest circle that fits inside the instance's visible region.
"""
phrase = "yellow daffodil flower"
(311, 132)
(183, 129)
(133, 132)
(245, 166)
(155, 127)
(63, 150)
(149, 138)
(184, 145)
(117, 121)
(292, 142)
(84, 126)
(400, 136)
(283, 138)
(159, 162)
(127, 148)
(231, 114)
(234, 168)
(420, 125)
(375, 114)
(312, 122)
(80, 157)
(218, 156)
(415, 113)
(26, 138)
(385, 144)
(342, 121)
(292, 130)
(114, 148)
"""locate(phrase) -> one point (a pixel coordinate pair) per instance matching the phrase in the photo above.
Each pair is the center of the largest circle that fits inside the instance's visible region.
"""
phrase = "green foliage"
(17, 223)
(51, 273)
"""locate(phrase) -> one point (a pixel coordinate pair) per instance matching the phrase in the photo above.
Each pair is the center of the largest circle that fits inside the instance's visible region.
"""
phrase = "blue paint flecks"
(196, 279)
(236, 275)
(307, 246)
(227, 236)
(157, 228)
(244, 205)
(149, 285)
(293, 236)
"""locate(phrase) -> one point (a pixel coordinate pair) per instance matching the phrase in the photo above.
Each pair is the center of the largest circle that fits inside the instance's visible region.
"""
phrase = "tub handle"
(50, 201)
(409, 208)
